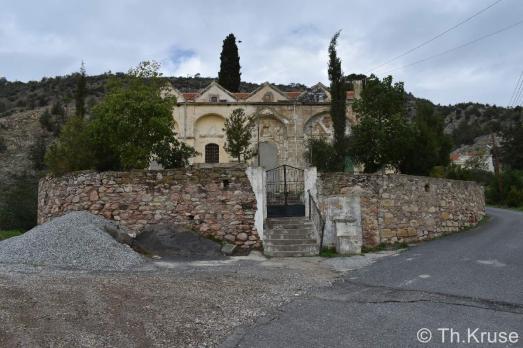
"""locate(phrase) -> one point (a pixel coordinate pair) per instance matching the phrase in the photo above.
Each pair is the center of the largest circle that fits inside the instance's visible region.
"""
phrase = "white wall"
(257, 177)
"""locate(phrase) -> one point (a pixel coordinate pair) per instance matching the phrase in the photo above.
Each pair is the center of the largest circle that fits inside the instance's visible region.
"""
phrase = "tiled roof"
(454, 156)
(241, 96)
(190, 96)
(294, 94)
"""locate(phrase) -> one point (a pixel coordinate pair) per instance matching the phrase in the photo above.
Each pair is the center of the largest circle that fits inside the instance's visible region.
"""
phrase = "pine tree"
(338, 90)
(80, 92)
(238, 129)
(229, 75)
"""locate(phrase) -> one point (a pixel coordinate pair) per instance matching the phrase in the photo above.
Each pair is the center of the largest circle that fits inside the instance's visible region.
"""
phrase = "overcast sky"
(282, 41)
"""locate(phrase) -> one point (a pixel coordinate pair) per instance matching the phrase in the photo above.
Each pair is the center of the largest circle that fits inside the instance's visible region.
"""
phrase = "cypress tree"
(229, 75)
(80, 92)
(338, 90)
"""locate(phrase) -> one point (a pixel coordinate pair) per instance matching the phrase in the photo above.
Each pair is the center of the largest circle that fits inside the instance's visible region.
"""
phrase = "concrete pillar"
(310, 177)
(348, 236)
(258, 178)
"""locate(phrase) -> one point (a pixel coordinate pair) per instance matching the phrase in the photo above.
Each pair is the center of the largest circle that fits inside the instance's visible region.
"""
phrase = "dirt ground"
(185, 304)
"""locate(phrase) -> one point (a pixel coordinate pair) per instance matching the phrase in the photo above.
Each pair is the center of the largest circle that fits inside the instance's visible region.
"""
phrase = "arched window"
(212, 153)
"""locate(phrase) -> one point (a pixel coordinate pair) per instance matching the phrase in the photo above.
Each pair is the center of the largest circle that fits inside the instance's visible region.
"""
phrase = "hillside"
(16, 97)
(22, 134)
(32, 113)
(22, 104)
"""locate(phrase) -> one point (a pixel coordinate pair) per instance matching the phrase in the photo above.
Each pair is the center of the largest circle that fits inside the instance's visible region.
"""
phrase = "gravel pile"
(76, 240)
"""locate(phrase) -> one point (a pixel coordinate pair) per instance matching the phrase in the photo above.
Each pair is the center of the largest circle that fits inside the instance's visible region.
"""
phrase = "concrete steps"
(290, 237)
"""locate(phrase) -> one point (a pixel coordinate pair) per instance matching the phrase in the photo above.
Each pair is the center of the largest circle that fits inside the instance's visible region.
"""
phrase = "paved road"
(469, 280)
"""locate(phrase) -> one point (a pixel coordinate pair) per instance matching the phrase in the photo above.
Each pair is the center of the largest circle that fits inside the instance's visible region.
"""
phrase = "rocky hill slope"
(23, 135)
(31, 114)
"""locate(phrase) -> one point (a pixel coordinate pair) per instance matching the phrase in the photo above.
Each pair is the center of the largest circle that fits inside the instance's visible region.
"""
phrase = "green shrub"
(9, 234)
(511, 194)
(131, 125)
(321, 153)
(73, 150)
(328, 252)
(514, 197)
(18, 203)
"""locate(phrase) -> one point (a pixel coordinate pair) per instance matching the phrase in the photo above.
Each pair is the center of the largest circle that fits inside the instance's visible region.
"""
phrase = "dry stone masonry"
(400, 208)
(220, 202)
(217, 202)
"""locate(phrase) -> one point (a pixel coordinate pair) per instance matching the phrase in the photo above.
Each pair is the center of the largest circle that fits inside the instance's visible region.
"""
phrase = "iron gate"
(285, 191)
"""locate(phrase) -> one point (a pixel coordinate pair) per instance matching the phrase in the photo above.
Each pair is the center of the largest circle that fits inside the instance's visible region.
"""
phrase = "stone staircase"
(289, 237)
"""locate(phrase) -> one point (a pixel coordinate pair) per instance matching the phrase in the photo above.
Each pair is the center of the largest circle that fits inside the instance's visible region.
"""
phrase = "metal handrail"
(317, 218)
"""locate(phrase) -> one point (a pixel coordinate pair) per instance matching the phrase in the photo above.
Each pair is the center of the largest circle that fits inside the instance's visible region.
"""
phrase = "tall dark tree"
(383, 135)
(229, 76)
(430, 146)
(338, 90)
(81, 87)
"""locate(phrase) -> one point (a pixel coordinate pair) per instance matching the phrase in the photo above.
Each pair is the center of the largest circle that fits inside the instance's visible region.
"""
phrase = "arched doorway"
(268, 155)
(212, 153)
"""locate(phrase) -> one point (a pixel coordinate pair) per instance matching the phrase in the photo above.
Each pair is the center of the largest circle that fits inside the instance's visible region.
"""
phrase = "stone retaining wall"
(216, 201)
(402, 208)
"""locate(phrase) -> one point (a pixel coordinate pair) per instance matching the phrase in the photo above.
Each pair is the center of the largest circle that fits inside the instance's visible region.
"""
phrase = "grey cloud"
(281, 41)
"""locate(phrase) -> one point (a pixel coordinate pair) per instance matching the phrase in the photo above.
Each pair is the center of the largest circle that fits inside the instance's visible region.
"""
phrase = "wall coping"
(420, 177)
(220, 166)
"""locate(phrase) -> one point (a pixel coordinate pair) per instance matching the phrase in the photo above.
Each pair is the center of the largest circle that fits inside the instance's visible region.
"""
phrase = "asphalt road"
(463, 282)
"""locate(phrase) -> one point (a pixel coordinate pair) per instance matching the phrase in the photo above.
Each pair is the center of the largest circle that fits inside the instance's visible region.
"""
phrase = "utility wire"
(516, 89)
(458, 47)
(519, 94)
(424, 43)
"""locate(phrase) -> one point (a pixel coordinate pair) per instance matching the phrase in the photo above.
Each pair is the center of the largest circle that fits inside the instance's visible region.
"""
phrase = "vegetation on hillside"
(132, 124)
(19, 202)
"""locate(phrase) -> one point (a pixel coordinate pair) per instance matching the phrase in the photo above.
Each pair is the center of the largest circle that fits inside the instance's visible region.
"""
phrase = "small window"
(213, 99)
(268, 97)
(212, 153)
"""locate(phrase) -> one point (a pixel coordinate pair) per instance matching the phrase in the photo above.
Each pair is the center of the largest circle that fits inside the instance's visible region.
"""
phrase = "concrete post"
(257, 178)
(310, 177)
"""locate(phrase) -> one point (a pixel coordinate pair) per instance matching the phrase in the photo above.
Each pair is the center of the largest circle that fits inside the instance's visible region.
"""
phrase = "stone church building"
(284, 121)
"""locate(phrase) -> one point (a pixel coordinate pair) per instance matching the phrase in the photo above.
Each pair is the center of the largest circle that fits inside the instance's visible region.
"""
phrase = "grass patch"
(483, 221)
(384, 246)
(215, 239)
(328, 252)
(505, 207)
(10, 233)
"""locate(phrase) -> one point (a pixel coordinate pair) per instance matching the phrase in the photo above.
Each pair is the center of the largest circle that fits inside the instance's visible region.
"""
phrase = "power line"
(458, 47)
(519, 95)
(516, 88)
(436, 37)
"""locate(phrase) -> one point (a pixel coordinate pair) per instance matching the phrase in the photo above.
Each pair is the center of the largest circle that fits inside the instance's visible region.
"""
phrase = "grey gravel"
(181, 304)
(76, 240)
